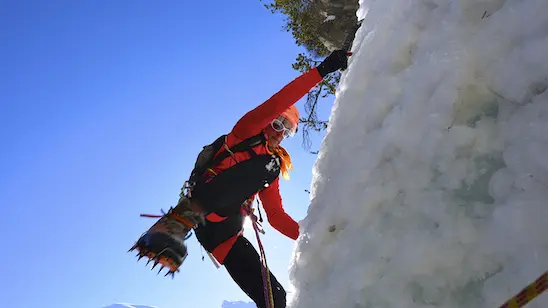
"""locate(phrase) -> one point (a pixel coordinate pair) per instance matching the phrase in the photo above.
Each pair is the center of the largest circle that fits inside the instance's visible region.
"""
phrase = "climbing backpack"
(206, 158)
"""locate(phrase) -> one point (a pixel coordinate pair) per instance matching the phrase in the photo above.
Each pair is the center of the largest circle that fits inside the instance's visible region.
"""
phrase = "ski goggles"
(280, 124)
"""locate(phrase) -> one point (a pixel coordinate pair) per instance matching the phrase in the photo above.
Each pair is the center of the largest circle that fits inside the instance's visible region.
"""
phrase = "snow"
(238, 304)
(431, 184)
(329, 18)
(225, 304)
(128, 306)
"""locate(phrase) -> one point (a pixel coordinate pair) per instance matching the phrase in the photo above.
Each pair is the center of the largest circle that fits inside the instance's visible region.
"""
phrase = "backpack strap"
(245, 145)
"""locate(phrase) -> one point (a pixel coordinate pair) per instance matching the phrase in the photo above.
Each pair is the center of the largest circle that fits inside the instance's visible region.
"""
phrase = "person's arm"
(255, 120)
(277, 217)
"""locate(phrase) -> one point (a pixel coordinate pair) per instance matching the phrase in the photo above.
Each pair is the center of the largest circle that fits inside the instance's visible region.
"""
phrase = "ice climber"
(228, 175)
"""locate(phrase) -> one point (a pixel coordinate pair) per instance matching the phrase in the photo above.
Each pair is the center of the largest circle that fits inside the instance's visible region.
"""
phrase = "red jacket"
(252, 123)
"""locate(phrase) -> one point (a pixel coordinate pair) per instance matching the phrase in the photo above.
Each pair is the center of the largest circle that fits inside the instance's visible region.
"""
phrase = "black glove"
(335, 61)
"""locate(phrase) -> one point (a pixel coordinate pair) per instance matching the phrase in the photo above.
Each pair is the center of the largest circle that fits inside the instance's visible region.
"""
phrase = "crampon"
(164, 243)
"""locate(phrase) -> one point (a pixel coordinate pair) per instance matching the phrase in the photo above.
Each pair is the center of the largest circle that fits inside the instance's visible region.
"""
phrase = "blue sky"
(104, 106)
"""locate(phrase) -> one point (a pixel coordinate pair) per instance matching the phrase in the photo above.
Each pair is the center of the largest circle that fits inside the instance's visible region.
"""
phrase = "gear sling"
(224, 193)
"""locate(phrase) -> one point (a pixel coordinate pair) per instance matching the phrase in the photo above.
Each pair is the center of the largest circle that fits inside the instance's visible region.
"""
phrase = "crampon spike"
(164, 244)
(172, 273)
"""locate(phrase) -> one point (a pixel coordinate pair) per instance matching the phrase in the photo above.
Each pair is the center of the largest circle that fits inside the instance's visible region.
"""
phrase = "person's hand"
(338, 59)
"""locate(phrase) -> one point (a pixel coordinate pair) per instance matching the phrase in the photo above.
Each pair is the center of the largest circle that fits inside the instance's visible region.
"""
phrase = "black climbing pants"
(224, 195)
(244, 266)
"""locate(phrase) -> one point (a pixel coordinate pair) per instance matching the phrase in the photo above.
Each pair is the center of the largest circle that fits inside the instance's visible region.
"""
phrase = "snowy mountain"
(129, 306)
(431, 184)
(239, 304)
(226, 304)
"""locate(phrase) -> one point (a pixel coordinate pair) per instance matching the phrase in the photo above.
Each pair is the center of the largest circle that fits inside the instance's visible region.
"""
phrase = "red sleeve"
(277, 217)
(255, 120)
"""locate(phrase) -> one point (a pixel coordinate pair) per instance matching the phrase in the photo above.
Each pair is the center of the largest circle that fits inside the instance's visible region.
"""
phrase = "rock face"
(339, 17)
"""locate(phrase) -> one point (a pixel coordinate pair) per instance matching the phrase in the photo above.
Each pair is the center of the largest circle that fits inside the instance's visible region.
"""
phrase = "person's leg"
(244, 266)
(224, 195)
(226, 192)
